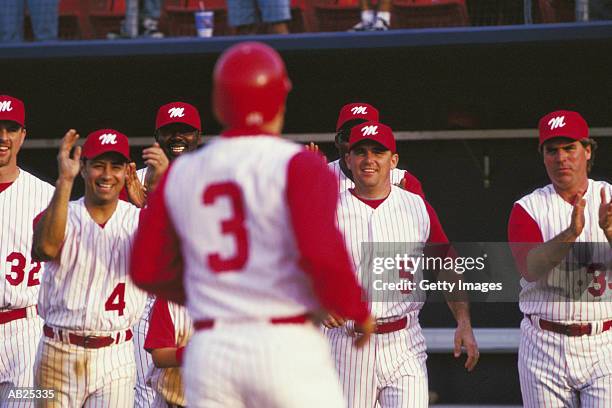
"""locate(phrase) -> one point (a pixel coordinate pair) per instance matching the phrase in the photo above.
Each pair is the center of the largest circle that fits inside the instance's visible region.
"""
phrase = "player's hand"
(464, 339)
(332, 321)
(577, 224)
(137, 193)
(365, 329)
(313, 147)
(68, 166)
(605, 214)
(157, 164)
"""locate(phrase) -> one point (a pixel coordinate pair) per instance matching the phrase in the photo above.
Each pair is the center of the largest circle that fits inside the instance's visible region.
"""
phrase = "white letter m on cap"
(5, 106)
(369, 130)
(359, 110)
(557, 122)
(176, 112)
(108, 138)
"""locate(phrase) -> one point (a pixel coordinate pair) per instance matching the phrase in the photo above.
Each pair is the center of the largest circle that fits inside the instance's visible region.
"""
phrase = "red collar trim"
(249, 131)
(372, 203)
(4, 186)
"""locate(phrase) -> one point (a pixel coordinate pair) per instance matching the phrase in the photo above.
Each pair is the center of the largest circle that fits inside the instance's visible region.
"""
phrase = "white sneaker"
(379, 25)
(362, 26)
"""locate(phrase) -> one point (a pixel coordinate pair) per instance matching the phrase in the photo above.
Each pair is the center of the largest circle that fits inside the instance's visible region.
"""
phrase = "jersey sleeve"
(413, 184)
(522, 230)
(156, 264)
(312, 195)
(161, 332)
(437, 242)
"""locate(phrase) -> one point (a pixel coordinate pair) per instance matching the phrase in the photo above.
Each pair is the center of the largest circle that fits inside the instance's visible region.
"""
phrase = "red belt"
(572, 329)
(299, 319)
(390, 327)
(10, 315)
(92, 342)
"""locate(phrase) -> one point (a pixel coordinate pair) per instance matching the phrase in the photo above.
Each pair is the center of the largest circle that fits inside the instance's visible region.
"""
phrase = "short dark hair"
(342, 136)
(590, 142)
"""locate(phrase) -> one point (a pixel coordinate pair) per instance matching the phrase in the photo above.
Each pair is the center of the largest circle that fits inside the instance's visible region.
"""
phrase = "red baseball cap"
(563, 123)
(178, 112)
(356, 110)
(12, 109)
(106, 140)
(372, 131)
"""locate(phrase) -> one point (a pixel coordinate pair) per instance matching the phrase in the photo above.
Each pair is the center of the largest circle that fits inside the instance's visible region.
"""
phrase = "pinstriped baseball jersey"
(270, 282)
(19, 205)
(583, 294)
(88, 288)
(345, 183)
(168, 382)
(401, 218)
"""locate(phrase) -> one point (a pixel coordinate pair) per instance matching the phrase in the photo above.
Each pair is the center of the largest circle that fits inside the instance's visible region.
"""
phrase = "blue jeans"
(44, 15)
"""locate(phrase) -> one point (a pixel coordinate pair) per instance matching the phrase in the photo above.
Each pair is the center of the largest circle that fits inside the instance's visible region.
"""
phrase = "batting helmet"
(250, 85)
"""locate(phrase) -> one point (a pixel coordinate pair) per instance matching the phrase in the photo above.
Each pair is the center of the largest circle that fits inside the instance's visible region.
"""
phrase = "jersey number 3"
(233, 226)
(17, 274)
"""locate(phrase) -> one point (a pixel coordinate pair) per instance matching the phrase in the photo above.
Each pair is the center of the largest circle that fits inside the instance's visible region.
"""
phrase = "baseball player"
(254, 237)
(169, 331)
(87, 299)
(22, 197)
(177, 130)
(351, 115)
(566, 341)
(390, 370)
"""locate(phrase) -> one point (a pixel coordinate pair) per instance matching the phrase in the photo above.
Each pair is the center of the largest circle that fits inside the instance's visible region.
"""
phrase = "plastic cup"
(204, 22)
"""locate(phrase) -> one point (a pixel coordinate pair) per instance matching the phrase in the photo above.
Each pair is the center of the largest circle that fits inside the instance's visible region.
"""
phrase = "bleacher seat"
(105, 16)
(555, 11)
(429, 13)
(336, 15)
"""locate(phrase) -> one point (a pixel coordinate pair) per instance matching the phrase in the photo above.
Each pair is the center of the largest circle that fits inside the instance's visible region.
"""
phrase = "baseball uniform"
(170, 326)
(20, 326)
(554, 366)
(390, 370)
(412, 183)
(257, 241)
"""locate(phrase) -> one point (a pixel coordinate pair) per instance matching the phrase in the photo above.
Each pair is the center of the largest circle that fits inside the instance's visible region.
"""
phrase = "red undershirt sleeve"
(312, 195)
(413, 184)
(161, 332)
(522, 230)
(156, 264)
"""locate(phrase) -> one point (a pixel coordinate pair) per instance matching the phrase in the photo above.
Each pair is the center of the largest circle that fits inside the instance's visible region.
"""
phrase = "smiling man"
(87, 300)
(390, 370)
(566, 341)
(22, 197)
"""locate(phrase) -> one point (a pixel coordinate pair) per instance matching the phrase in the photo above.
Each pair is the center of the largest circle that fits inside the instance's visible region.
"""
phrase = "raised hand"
(68, 166)
(157, 164)
(577, 224)
(137, 194)
(605, 214)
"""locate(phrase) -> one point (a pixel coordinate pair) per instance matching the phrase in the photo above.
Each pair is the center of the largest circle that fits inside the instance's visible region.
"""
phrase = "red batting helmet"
(250, 85)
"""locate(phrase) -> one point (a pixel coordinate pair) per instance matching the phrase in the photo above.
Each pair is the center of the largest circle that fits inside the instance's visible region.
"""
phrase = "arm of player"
(156, 264)
(457, 301)
(160, 339)
(536, 261)
(312, 194)
(157, 164)
(135, 192)
(50, 229)
(605, 215)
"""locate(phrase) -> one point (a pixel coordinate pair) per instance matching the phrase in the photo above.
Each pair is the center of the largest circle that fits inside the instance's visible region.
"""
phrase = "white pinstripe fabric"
(168, 382)
(81, 377)
(20, 203)
(261, 365)
(558, 370)
(344, 183)
(390, 371)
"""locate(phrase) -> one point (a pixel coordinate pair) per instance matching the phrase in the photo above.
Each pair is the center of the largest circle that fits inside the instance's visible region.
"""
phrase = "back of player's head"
(250, 85)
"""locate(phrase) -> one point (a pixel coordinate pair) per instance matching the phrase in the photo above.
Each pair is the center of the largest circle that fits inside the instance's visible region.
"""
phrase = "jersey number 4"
(17, 273)
(233, 226)
(116, 300)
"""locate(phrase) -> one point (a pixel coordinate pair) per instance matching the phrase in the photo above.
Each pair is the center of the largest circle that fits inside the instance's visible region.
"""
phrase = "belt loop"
(535, 320)
(31, 311)
(596, 327)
